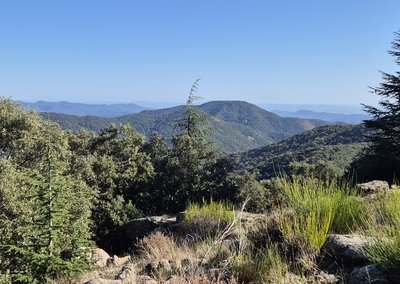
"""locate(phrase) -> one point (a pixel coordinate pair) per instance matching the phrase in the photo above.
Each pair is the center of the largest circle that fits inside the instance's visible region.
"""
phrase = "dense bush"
(262, 196)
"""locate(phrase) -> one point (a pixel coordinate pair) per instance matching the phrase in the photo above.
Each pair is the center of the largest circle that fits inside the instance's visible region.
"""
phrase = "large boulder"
(373, 187)
(138, 228)
(98, 257)
(346, 249)
(369, 274)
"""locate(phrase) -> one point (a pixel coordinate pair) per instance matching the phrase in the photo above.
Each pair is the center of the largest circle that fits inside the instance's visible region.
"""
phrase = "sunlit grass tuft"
(384, 246)
(319, 207)
(220, 210)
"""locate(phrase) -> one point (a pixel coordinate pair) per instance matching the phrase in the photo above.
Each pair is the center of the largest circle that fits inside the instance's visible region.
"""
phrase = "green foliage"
(222, 211)
(117, 170)
(12, 211)
(383, 156)
(205, 220)
(323, 170)
(384, 247)
(263, 266)
(261, 196)
(45, 210)
(350, 213)
(191, 170)
(20, 134)
(239, 126)
(30, 267)
(319, 207)
(328, 150)
(60, 206)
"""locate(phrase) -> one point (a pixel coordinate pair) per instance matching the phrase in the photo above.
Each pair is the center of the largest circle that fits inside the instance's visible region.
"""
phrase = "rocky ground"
(163, 255)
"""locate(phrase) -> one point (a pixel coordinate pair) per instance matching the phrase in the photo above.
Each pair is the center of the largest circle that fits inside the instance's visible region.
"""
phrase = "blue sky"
(311, 52)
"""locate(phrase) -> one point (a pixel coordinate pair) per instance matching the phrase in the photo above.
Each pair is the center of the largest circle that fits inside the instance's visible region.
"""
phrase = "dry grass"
(201, 280)
(158, 246)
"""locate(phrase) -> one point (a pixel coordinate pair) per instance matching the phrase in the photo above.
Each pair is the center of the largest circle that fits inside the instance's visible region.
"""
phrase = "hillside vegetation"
(353, 118)
(338, 144)
(237, 126)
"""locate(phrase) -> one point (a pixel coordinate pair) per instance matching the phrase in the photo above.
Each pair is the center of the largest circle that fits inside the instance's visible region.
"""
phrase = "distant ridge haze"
(81, 109)
(354, 118)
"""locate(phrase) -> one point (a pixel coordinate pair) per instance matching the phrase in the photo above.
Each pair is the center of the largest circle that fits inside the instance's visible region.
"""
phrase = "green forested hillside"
(237, 126)
(338, 144)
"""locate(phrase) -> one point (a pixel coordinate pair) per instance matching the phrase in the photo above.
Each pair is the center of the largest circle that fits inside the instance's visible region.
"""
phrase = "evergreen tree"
(382, 159)
(192, 153)
(50, 213)
(194, 170)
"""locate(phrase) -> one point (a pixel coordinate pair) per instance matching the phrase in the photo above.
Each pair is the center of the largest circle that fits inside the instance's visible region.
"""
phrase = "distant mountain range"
(346, 114)
(345, 109)
(336, 143)
(328, 116)
(237, 126)
(104, 110)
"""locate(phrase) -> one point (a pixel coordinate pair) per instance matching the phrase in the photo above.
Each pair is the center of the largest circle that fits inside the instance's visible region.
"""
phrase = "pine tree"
(55, 223)
(383, 158)
(193, 154)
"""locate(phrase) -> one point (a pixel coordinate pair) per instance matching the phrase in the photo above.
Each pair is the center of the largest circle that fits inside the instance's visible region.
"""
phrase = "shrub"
(350, 215)
(263, 266)
(262, 195)
(30, 267)
(206, 219)
(222, 211)
(157, 246)
(384, 248)
(319, 207)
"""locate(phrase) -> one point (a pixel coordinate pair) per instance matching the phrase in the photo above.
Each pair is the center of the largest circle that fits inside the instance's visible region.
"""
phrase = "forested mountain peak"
(237, 125)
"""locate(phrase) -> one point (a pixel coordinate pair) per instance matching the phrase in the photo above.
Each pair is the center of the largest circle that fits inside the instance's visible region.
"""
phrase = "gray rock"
(164, 265)
(98, 257)
(369, 274)
(346, 249)
(373, 187)
(151, 268)
(112, 261)
(138, 228)
(127, 273)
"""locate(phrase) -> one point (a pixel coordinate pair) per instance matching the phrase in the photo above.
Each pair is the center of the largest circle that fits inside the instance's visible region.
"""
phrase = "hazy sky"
(311, 52)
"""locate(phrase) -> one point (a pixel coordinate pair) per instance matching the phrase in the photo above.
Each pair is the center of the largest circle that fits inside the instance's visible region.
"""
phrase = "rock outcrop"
(98, 257)
(373, 187)
(138, 228)
(369, 274)
(346, 249)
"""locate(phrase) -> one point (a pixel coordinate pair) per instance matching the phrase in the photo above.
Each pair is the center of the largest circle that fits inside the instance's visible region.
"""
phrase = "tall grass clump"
(220, 210)
(207, 218)
(384, 247)
(350, 213)
(263, 266)
(318, 207)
